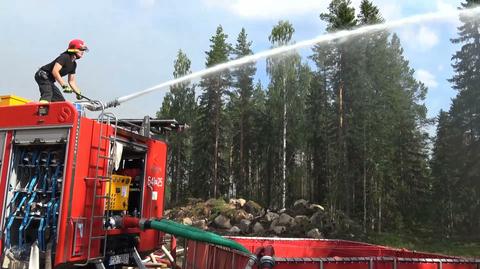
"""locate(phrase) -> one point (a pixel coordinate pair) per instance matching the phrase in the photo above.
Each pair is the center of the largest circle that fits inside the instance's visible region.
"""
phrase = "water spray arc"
(428, 17)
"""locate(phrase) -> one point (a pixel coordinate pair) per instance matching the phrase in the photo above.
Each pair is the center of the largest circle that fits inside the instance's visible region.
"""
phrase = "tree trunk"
(242, 163)
(217, 137)
(364, 179)
(284, 148)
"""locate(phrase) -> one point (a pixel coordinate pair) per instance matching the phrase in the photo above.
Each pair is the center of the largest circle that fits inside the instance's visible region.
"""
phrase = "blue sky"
(133, 43)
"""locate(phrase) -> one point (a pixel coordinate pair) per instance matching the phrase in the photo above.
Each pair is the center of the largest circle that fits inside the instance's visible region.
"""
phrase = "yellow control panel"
(118, 192)
(12, 100)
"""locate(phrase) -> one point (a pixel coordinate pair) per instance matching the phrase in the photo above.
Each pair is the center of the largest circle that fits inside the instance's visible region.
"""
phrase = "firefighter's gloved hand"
(79, 94)
(67, 89)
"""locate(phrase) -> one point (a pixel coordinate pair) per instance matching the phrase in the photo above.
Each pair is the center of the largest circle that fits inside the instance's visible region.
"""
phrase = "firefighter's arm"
(56, 75)
(73, 83)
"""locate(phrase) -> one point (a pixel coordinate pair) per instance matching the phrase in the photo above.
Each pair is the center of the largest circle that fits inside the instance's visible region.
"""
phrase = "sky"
(133, 43)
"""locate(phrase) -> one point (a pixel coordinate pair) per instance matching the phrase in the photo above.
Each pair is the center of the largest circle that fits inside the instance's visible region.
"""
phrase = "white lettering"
(154, 181)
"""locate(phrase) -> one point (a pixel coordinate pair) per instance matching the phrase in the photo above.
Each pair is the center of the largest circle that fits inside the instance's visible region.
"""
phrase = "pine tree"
(344, 59)
(179, 104)
(210, 157)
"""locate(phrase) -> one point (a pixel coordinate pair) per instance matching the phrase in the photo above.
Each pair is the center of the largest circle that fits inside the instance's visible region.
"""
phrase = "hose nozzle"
(113, 103)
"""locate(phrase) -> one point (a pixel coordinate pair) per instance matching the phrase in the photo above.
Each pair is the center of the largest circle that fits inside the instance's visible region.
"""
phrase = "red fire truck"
(65, 178)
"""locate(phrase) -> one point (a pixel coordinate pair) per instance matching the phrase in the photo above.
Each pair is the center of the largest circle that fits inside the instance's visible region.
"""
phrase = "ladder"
(101, 177)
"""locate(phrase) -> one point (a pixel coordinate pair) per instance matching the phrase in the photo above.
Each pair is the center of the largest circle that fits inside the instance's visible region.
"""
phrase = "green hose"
(193, 233)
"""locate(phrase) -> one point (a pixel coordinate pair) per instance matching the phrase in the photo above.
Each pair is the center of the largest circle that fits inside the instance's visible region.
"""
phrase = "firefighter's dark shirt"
(65, 60)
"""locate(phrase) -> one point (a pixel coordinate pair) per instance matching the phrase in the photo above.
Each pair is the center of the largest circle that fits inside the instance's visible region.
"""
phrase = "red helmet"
(77, 45)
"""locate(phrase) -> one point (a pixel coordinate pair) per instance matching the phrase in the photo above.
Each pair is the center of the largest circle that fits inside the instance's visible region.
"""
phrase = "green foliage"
(369, 14)
(341, 15)
(374, 155)
(345, 130)
(282, 33)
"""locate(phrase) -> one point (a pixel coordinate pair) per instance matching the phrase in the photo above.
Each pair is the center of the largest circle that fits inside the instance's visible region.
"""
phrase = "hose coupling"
(252, 260)
(267, 262)
(144, 224)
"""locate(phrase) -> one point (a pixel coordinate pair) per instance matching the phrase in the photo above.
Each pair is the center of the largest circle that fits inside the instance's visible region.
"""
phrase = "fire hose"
(263, 255)
(181, 230)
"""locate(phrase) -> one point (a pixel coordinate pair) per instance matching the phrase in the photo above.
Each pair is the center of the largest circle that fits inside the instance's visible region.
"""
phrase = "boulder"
(258, 228)
(301, 219)
(244, 225)
(286, 220)
(234, 230)
(301, 207)
(315, 233)
(318, 219)
(316, 207)
(253, 208)
(302, 223)
(279, 229)
(187, 221)
(239, 203)
(206, 211)
(201, 224)
(271, 216)
(222, 222)
(273, 224)
(301, 202)
(241, 214)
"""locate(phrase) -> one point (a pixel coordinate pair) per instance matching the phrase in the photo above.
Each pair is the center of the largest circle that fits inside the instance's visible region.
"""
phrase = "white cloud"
(445, 6)
(427, 38)
(426, 77)
(270, 9)
(390, 11)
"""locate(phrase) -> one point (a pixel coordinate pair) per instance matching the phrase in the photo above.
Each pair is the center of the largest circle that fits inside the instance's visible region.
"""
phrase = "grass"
(428, 243)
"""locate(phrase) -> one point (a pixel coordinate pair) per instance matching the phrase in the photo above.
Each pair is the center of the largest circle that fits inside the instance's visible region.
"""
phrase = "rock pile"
(241, 217)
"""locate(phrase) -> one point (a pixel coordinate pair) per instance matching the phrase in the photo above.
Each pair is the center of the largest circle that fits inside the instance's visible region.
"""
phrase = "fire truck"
(66, 178)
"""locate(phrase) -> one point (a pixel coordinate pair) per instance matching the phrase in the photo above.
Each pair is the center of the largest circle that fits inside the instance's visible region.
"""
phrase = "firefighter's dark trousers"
(48, 91)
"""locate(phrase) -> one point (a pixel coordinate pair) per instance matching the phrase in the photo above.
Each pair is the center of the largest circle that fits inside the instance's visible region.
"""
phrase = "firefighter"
(63, 65)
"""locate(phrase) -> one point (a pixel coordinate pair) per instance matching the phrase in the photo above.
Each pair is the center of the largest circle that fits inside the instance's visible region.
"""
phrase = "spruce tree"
(241, 100)
(445, 179)
(463, 130)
